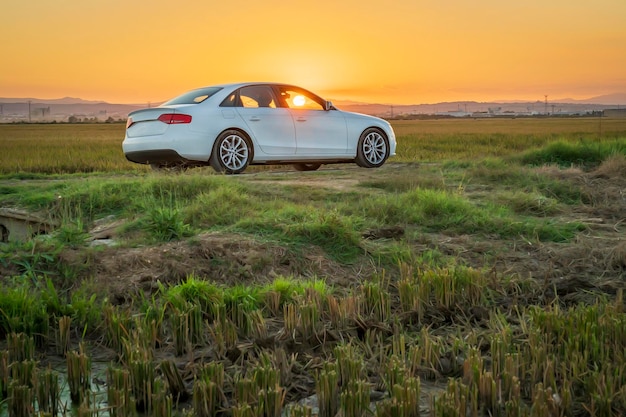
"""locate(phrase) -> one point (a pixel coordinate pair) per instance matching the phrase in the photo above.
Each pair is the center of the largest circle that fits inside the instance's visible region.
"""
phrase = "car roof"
(243, 84)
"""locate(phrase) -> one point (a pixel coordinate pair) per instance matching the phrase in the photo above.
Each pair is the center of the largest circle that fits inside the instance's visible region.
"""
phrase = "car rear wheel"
(307, 167)
(232, 152)
(373, 149)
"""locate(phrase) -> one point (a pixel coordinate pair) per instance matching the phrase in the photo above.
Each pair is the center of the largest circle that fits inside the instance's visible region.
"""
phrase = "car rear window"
(194, 96)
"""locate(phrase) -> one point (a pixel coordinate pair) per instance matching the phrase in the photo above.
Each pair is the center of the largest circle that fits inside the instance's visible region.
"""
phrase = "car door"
(318, 131)
(272, 126)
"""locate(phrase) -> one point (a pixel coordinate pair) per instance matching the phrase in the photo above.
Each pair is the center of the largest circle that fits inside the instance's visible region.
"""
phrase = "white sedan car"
(231, 126)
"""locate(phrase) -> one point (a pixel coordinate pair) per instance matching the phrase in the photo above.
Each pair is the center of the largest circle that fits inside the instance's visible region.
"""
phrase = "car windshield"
(194, 96)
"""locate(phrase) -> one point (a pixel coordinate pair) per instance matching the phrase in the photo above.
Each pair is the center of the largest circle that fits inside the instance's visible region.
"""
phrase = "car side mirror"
(328, 105)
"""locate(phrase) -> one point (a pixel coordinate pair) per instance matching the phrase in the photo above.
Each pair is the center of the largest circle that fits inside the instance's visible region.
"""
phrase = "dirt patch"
(223, 258)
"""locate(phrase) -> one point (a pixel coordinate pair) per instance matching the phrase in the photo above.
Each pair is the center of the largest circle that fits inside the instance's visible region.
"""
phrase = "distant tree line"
(75, 119)
(71, 120)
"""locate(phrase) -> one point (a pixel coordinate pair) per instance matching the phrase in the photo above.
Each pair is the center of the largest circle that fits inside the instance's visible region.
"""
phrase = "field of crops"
(71, 148)
(480, 272)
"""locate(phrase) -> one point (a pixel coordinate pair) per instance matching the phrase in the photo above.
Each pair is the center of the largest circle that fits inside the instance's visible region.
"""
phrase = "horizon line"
(568, 100)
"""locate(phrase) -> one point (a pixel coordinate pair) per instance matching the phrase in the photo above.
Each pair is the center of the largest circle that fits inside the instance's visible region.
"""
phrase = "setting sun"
(299, 101)
(404, 52)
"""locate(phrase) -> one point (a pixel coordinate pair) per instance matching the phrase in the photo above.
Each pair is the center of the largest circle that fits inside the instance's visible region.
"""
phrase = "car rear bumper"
(157, 156)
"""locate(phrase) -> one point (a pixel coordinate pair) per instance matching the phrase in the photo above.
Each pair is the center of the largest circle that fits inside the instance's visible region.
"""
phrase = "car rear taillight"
(175, 118)
(129, 122)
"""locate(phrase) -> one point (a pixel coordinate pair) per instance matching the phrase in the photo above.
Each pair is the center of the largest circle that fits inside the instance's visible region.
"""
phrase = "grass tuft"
(584, 153)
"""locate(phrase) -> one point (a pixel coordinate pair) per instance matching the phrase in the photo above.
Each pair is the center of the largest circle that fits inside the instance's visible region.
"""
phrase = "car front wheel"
(232, 152)
(373, 149)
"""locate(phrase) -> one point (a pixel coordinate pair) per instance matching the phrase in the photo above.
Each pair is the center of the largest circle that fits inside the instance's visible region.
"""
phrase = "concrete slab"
(20, 226)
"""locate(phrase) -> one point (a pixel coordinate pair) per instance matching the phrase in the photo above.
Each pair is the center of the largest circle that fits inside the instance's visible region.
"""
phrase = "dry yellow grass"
(62, 148)
(71, 148)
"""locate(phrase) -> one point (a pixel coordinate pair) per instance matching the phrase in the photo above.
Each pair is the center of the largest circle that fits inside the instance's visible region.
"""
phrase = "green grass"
(173, 207)
(586, 154)
(33, 306)
(434, 210)
(193, 291)
(493, 197)
(421, 315)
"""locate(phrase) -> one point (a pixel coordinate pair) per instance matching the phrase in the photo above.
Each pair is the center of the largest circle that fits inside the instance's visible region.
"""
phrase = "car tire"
(307, 167)
(232, 152)
(372, 149)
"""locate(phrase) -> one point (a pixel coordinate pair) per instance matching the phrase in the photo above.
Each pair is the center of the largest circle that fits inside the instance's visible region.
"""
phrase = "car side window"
(230, 101)
(257, 96)
(298, 99)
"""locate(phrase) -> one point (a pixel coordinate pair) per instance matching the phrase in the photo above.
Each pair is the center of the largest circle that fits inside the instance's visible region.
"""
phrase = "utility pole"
(546, 108)
(28, 111)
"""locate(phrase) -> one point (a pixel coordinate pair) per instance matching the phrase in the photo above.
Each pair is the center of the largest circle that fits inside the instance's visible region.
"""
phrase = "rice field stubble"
(455, 280)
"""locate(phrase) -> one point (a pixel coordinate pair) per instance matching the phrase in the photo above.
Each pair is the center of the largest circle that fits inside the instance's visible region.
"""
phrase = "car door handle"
(255, 118)
(301, 119)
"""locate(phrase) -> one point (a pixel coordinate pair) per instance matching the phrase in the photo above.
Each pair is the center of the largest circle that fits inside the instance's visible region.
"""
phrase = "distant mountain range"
(64, 100)
(34, 109)
(609, 99)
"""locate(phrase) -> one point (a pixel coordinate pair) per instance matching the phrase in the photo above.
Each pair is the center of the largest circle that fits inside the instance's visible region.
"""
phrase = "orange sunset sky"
(394, 51)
